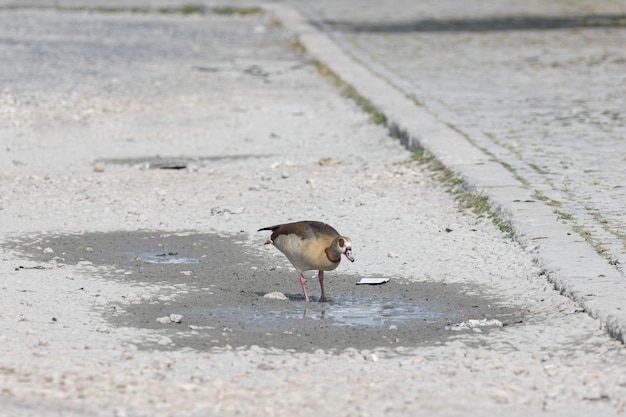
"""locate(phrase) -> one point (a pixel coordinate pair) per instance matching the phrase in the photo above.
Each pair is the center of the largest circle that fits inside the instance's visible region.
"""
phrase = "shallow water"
(218, 285)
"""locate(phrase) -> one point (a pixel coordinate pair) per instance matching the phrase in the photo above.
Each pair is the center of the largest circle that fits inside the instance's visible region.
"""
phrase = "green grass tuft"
(466, 199)
(237, 11)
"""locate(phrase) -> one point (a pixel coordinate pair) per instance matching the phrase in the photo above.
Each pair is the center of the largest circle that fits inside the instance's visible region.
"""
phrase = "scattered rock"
(132, 296)
(165, 341)
(99, 167)
(47, 251)
(176, 318)
(475, 324)
(164, 320)
(329, 161)
(276, 295)
(391, 254)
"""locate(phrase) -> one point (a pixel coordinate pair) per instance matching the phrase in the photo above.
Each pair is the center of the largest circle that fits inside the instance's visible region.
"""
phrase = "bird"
(310, 245)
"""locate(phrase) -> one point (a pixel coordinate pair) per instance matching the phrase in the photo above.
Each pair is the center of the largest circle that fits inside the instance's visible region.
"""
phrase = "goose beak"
(348, 254)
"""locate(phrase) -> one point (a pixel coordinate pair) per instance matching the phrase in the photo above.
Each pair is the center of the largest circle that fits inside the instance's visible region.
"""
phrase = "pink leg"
(303, 283)
(320, 274)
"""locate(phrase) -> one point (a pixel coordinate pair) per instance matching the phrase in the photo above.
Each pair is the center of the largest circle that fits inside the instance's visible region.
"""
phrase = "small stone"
(311, 181)
(176, 318)
(47, 251)
(329, 161)
(391, 254)
(551, 370)
(164, 320)
(165, 341)
(99, 167)
(276, 295)
(132, 296)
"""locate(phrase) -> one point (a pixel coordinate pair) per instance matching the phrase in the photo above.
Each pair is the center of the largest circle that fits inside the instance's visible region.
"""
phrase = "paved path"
(524, 101)
(541, 86)
(90, 96)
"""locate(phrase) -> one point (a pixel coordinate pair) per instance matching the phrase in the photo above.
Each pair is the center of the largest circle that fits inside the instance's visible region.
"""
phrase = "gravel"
(253, 143)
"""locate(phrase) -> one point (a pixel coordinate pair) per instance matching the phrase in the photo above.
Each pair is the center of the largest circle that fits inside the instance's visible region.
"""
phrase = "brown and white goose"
(310, 245)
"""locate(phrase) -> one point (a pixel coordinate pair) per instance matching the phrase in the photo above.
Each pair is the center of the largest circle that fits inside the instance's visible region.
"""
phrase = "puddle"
(175, 163)
(343, 310)
(378, 311)
(217, 285)
(163, 258)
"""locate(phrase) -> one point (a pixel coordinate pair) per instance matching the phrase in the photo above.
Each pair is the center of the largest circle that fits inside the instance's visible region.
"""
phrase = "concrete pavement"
(525, 102)
(95, 98)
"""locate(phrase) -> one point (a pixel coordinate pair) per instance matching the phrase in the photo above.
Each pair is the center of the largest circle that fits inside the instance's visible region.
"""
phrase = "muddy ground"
(225, 283)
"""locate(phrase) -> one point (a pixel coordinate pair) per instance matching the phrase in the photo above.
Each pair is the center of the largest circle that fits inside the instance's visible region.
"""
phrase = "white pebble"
(165, 341)
(276, 295)
(99, 167)
(176, 318)
(132, 296)
(47, 250)
(164, 320)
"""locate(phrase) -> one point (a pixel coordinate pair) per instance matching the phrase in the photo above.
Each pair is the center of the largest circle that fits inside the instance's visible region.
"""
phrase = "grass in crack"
(182, 10)
(467, 199)
(377, 116)
(237, 11)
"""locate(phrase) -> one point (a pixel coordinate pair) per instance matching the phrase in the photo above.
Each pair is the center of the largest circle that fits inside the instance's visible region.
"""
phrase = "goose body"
(310, 245)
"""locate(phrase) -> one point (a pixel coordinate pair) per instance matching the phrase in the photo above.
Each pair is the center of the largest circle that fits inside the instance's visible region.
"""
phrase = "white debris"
(165, 341)
(372, 281)
(276, 295)
(176, 318)
(476, 324)
(164, 320)
(47, 250)
(132, 296)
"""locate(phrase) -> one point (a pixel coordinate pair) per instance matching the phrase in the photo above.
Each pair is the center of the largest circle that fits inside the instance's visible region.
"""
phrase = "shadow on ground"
(488, 24)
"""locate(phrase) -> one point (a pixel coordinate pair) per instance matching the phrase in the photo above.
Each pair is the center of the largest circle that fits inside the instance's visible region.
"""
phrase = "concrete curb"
(568, 261)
